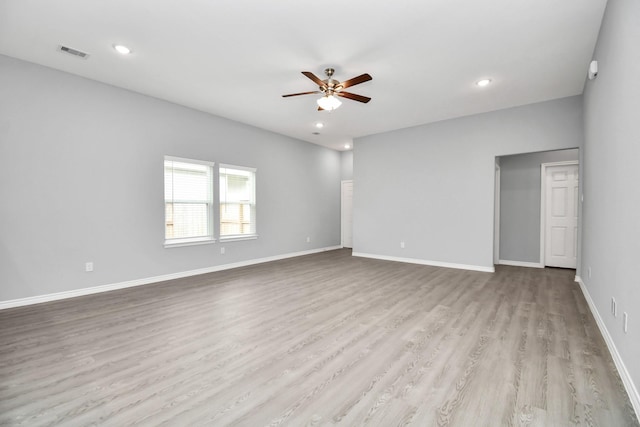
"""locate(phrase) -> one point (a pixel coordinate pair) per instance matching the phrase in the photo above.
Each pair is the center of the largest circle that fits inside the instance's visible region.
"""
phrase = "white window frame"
(210, 237)
(232, 237)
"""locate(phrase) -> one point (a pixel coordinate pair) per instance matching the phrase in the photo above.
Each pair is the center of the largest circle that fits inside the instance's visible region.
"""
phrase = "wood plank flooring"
(325, 339)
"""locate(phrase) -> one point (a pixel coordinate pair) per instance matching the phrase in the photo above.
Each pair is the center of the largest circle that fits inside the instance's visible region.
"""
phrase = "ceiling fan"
(332, 89)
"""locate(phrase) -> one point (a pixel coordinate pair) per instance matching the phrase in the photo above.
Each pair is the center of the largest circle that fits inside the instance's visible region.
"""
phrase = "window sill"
(238, 238)
(188, 242)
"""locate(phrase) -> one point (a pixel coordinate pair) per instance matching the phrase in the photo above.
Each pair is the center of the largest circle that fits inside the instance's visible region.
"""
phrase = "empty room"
(417, 213)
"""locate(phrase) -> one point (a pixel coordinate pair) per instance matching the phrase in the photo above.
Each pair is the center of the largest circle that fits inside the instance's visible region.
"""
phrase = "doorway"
(518, 209)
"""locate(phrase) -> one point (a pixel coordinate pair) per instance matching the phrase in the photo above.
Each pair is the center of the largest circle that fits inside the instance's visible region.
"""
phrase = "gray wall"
(520, 203)
(346, 162)
(432, 186)
(611, 208)
(82, 180)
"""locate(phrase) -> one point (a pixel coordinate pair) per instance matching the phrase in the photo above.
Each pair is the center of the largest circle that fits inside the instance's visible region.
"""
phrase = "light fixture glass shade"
(329, 102)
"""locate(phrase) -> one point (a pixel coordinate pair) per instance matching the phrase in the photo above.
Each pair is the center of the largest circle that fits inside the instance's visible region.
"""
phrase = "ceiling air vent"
(73, 52)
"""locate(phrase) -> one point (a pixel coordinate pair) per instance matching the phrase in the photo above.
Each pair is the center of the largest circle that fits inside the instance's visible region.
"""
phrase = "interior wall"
(82, 180)
(346, 162)
(432, 186)
(520, 203)
(611, 208)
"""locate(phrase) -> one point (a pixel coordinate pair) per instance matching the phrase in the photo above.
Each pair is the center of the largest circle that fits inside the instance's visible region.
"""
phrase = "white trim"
(520, 263)
(427, 262)
(543, 200)
(148, 280)
(342, 221)
(185, 160)
(238, 238)
(189, 241)
(632, 391)
(243, 168)
(496, 215)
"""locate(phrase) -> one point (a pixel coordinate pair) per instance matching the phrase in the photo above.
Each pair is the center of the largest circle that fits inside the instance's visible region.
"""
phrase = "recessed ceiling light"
(122, 49)
(319, 125)
(347, 146)
(483, 82)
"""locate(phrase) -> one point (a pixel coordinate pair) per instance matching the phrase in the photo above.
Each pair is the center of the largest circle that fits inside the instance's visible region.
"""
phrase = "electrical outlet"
(589, 272)
(308, 239)
(402, 244)
(625, 323)
(222, 250)
(88, 266)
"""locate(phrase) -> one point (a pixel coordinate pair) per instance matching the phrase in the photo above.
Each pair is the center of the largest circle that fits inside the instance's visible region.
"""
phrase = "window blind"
(188, 194)
(237, 201)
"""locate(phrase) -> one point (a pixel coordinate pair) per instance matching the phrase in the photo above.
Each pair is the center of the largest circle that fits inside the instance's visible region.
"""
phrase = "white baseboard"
(148, 280)
(520, 263)
(632, 391)
(426, 262)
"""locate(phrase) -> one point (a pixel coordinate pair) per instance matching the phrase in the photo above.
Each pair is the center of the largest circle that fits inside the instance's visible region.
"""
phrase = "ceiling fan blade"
(313, 77)
(301, 93)
(320, 108)
(353, 96)
(356, 80)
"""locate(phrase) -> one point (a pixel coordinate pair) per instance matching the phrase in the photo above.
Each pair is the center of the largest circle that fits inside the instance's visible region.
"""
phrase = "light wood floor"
(317, 340)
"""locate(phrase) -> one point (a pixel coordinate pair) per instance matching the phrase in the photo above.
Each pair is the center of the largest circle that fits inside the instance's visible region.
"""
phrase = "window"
(188, 198)
(237, 202)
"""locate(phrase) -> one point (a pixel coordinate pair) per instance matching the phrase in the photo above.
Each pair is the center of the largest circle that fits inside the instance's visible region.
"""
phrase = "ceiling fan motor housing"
(331, 85)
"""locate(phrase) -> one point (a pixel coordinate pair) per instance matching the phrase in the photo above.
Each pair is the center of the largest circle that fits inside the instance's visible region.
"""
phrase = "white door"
(347, 214)
(561, 218)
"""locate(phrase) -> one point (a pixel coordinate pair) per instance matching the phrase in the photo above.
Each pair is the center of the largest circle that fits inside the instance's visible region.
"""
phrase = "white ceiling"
(235, 58)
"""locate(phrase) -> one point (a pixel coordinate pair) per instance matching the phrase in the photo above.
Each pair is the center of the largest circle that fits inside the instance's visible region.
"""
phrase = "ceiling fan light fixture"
(329, 102)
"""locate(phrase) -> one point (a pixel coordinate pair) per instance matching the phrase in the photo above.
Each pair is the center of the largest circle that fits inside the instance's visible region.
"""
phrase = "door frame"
(543, 201)
(342, 221)
(496, 216)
